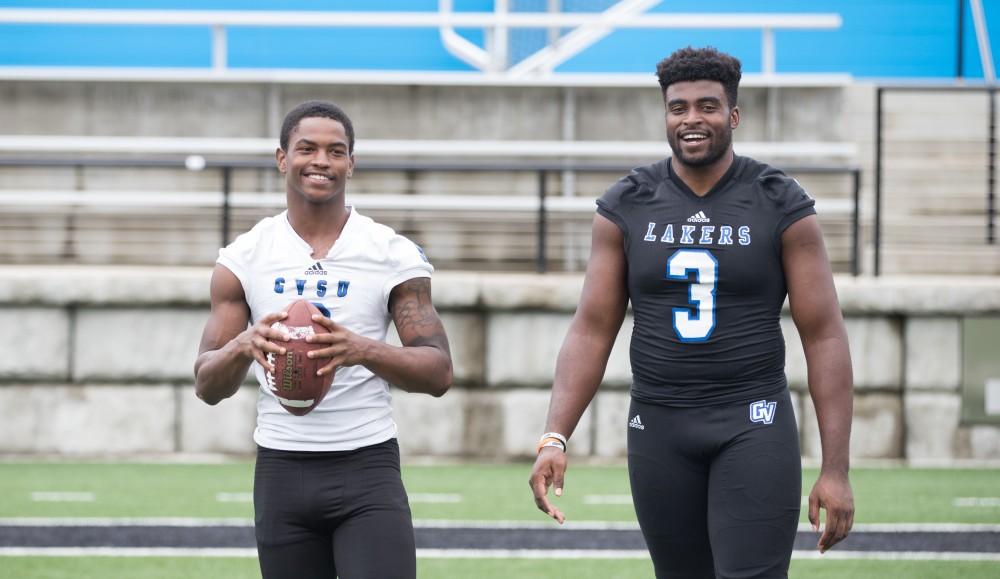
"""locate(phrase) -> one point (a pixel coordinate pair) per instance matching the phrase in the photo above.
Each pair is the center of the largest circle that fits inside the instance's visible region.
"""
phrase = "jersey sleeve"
(790, 200)
(408, 261)
(612, 204)
(236, 257)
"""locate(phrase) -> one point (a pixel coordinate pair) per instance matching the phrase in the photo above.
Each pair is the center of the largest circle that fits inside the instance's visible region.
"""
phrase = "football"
(294, 381)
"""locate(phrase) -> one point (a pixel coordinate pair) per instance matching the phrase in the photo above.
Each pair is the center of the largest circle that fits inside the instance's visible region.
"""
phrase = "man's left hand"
(343, 347)
(832, 492)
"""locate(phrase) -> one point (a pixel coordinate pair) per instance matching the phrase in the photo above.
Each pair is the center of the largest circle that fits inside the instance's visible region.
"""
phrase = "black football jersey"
(705, 280)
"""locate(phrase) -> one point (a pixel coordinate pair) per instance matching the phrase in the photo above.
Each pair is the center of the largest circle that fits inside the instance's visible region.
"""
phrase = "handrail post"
(501, 35)
(767, 58)
(227, 173)
(983, 40)
(856, 224)
(991, 169)
(878, 181)
(220, 48)
(541, 258)
(960, 42)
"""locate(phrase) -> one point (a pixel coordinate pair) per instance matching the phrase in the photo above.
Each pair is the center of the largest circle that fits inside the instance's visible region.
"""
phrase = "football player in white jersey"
(328, 497)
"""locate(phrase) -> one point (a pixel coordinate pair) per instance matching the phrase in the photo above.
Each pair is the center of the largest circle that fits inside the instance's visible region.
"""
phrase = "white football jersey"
(351, 285)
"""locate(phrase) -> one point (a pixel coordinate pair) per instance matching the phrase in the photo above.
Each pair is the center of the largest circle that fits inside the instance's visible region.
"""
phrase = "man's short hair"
(692, 64)
(310, 109)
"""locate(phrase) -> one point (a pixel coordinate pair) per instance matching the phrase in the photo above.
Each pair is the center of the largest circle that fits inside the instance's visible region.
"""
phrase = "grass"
(129, 567)
(126, 490)
(904, 495)
(246, 568)
(489, 492)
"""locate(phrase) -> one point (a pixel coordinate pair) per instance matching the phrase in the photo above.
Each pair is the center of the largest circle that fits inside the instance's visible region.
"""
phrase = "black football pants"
(717, 489)
(333, 514)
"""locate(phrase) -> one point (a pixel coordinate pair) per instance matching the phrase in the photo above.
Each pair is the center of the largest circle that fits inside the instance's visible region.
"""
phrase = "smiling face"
(318, 161)
(700, 122)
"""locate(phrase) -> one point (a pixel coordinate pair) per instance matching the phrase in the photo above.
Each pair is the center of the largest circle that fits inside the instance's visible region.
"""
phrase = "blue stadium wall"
(879, 38)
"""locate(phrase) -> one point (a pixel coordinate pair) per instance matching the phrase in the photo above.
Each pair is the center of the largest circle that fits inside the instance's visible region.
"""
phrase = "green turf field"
(479, 492)
(460, 492)
(246, 568)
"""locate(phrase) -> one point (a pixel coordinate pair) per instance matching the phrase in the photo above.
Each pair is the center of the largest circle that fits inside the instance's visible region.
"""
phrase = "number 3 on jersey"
(695, 324)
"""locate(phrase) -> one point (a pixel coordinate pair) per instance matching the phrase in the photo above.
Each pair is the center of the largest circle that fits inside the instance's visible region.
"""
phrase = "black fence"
(226, 168)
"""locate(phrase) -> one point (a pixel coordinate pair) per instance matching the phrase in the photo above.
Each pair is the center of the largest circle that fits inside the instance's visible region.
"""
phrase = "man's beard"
(718, 149)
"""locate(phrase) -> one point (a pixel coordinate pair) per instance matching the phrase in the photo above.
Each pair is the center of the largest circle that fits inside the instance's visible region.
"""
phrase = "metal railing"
(879, 170)
(409, 148)
(492, 59)
(543, 206)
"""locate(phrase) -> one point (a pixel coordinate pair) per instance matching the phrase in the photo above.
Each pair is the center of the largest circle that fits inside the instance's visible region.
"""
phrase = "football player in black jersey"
(706, 245)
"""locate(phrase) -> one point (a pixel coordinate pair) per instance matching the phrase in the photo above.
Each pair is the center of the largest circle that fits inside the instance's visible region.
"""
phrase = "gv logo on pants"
(762, 411)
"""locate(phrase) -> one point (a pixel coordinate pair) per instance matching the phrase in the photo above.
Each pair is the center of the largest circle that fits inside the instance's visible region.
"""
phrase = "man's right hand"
(259, 339)
(549, 470)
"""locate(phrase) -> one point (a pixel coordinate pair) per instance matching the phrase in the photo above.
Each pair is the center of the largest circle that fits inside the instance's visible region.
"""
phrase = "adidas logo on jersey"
(316, 269)
(699, 217)
(636, 423)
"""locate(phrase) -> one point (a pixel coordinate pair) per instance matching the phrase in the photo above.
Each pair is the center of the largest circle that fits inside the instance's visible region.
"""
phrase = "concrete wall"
(98, 361)
(178, 109)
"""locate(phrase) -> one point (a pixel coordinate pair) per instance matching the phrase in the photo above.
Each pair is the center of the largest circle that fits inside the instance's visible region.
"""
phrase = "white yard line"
(922, 527)
(477, 553)
(533, 553)
(976, 502)
(123, 552)
(897, 555)
(435, 498)
(460, 524)
(62, 497)
(238, 522)
(527, 525)
(234, 497)
(123, 522)
(607, 500)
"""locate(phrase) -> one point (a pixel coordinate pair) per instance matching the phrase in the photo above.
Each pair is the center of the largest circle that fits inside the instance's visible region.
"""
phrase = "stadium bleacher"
(450, 217)
(535, 103)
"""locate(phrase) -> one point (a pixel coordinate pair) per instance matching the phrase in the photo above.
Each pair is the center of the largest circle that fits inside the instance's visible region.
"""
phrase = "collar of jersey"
(722, 183)
(304, 246)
